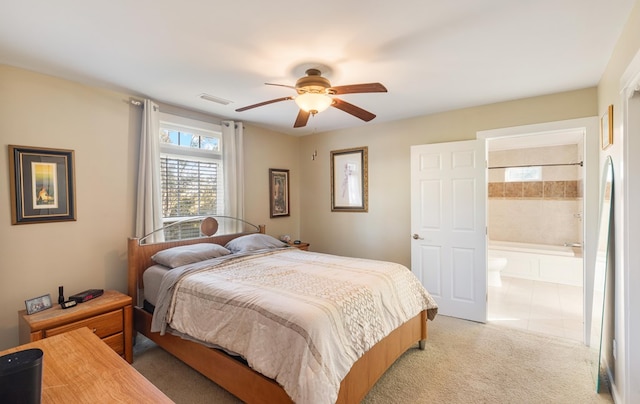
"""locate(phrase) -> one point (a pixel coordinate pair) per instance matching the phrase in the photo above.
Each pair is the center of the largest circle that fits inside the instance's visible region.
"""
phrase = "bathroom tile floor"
(541, 307)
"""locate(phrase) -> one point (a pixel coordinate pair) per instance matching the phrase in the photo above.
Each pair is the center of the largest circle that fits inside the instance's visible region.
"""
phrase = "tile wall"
(541, 212)
(536, 189)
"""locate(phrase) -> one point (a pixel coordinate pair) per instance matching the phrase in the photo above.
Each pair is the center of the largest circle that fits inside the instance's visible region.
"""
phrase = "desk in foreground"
(79, 368)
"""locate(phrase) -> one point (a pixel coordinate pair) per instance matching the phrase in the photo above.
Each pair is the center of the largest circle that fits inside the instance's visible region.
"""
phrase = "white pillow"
(254, 242)
(188, 254)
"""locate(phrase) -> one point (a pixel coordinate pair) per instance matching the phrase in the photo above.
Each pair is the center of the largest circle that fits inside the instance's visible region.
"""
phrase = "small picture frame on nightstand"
(38, 304)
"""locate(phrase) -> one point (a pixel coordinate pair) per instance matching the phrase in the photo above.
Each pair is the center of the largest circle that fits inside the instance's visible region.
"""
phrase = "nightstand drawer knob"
(94, 330)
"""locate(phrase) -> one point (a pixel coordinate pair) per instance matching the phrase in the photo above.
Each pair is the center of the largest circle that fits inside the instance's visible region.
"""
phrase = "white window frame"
(199, 128)
(523, 174)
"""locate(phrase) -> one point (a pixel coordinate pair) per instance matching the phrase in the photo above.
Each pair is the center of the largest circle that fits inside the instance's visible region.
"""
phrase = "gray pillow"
(188, 254)
(254, 242)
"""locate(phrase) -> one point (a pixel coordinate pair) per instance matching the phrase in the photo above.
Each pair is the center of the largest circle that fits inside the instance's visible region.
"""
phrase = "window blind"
(189, 188)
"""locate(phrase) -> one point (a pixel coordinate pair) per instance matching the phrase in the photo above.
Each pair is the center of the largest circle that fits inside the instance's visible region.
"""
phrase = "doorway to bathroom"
(536, 228)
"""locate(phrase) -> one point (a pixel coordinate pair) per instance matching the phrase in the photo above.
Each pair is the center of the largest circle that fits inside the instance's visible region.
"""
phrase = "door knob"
(416, 237)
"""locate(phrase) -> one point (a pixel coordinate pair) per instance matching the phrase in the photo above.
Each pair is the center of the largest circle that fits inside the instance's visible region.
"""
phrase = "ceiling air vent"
(213, 98)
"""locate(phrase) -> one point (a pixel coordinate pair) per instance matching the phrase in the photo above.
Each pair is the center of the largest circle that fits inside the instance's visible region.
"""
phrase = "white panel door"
(448, 225)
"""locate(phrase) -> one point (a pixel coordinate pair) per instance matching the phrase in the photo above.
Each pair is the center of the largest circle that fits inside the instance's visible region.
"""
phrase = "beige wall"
(383, 232)
(265, 150)
(36, 110)
(621, 315)
(102, 128)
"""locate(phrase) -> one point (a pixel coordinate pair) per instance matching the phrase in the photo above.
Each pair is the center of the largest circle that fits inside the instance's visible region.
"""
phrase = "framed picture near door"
(606, 128)
(349, 180)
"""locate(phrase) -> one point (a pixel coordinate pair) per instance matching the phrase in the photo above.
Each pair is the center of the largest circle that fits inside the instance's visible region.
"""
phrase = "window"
(191, 173)
(514, 174)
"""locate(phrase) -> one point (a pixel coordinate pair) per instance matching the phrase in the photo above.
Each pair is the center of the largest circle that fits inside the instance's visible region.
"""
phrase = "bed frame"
(234, 375)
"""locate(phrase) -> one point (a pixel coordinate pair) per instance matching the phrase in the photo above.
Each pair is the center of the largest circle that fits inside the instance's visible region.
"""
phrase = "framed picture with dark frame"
(38, 304)
(278, 192)
(42, 183)
(349, 180)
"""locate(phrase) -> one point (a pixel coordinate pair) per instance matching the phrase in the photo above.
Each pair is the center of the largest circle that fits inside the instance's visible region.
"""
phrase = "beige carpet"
(464, 362)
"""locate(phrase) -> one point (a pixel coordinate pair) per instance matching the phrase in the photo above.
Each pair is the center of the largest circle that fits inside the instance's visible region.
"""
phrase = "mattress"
(152, 278)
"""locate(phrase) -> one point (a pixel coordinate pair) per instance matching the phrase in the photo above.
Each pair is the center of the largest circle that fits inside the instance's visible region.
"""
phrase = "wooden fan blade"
(360, 88)
(263, 103)
(280, 85)
(301, 120)
(353, 110)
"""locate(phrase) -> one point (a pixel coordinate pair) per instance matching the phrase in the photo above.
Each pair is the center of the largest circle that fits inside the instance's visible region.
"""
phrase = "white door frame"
(591, 129)
(628, 348)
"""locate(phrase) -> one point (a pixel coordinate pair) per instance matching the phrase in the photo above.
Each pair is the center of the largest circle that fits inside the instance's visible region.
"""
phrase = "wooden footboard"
(252, 387)
(226, 371)
(368, 369)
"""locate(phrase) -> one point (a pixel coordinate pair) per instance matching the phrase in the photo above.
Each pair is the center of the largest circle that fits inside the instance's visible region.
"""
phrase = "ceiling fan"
(315, 94)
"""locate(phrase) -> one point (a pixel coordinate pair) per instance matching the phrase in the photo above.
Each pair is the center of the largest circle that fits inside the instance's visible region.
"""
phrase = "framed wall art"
(38, 304)
(42, 185)
(606, 128)
(278, 192)
(349, 180)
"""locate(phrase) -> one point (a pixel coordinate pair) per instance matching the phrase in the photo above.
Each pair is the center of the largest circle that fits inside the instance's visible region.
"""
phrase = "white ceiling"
(432, 55)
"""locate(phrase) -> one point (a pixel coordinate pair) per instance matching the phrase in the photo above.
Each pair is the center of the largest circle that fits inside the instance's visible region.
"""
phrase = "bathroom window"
(515, 174)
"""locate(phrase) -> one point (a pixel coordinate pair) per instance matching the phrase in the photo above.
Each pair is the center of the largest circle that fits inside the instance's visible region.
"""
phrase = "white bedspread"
(298, 317)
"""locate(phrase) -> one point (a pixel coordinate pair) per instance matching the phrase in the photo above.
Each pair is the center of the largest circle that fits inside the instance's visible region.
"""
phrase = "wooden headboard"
(139, 255)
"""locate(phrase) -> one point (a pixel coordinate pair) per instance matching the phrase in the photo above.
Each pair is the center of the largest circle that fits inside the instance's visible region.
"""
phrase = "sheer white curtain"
(149, 206)
(233, 160)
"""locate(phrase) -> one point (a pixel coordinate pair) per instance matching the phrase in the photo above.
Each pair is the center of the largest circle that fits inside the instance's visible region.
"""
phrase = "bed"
(222, 344)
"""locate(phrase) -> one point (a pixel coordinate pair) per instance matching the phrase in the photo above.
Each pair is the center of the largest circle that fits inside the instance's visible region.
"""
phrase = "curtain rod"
(540, 165)
(139, 103)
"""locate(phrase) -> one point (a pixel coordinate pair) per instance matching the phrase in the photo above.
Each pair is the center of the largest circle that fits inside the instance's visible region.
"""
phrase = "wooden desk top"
(79, 368)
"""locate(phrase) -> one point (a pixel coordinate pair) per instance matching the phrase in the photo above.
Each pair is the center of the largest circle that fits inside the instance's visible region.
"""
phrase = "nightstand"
(301, 246)
(108, 316)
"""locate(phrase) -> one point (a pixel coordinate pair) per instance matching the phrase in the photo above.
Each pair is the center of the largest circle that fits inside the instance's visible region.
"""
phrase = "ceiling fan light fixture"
(315, 94)
(313, 102)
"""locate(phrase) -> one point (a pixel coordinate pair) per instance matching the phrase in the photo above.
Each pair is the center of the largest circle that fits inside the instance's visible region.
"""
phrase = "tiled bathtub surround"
(541, 212)
(536, 190)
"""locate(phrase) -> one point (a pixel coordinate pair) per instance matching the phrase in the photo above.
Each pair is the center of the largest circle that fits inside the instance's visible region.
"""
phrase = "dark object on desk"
(68, 303)
(86, 295)
(21, 377)
(60, 294)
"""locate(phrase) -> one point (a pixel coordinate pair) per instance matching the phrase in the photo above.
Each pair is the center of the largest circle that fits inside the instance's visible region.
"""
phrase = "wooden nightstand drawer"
(116, 342)
(103, 325)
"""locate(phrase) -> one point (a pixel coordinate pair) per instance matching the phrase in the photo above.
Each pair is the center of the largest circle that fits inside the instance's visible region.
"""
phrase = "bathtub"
(541, 262)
